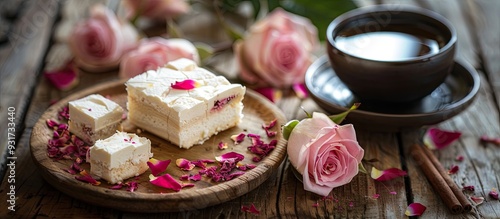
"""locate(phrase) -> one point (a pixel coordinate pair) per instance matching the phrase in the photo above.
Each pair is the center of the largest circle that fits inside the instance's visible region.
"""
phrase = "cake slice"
(185, 116)
(94, 117)
(119, 157)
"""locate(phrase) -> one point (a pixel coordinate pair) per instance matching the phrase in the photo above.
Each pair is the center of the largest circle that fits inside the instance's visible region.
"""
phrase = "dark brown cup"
(395, 80)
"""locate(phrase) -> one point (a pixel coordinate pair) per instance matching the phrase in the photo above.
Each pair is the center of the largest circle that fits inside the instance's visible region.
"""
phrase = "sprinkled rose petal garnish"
(375, 196)
(187, 185)
(63, 79)
(486, 139)
(195, 177)
(132, 186)
(415, 209)
(477, 200)
(393, 193)
(230, 155)
(388, 174)
(184, 164)
(51, 123)
(157, 166)
(86, 177)
(468, 188)
(272, 94)
(270, 125)
(238, 138)
(493, 194)
(117, 186)
(187, 84)
(459, 158)
(250, 209)
(165, 181)
(300, 90)
(453, 169)
(222, 145)
(435, 138)
(63, 113)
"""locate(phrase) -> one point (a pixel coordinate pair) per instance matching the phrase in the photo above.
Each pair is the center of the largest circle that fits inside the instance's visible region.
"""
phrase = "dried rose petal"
(63, 113)
(272, 94)
(453, 169)
(393, 193)
(230, 155)
(63, 79)
(51, 123)
(157, 166)
(436, 138)
(184, 177)
(238, 138)
(415, 209)
(250, 209)
(270, 134)
(165, 181)
(493, 194)
(187, 84)
(375, 196)
(477, 200)
(187, 185)
(195, 177)
(184, 164)
(300, 90)
(132, 186)
(459, 158)
(486, 139)
(388, 174)
(117, 186)
(222, 145)
(85, 177)
(469, 188)
(270, 125)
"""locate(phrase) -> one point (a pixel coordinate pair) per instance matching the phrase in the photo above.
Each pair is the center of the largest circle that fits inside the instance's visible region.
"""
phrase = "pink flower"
(100, 41)
(155, 52)
(277, 50)
(156, 9)
(326, 154)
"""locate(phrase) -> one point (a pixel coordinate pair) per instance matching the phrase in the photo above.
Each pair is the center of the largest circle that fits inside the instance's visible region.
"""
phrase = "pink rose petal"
(230, 155)
(300, 90)
(477, 200)
(453, 169)
(184, 164)
(468, 188)
(238, 138)
(222, 145)
(274, 95)
(157, 166)
(493, 194)
(63, 79)
(375, 196)
(132, 186)
(493, 140)
(388, 174)
(415, 209)
(459, 158)
(85, 177)
(250, 209)
(393, 193)
(117, 186)
(165, 181)
(187, 84)
(436, 138)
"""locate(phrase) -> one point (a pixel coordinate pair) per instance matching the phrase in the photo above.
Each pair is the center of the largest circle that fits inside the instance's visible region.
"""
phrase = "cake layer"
(184, 136)
(90, 136)
(184, 116)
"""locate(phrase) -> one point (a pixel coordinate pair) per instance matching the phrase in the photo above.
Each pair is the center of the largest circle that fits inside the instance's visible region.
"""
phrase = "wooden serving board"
(150, 198)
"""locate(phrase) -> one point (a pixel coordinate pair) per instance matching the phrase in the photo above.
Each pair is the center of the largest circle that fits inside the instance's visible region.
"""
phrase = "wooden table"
(33, 43)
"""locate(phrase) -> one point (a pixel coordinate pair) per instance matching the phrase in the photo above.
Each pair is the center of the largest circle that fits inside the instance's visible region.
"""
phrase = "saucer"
(446, 101)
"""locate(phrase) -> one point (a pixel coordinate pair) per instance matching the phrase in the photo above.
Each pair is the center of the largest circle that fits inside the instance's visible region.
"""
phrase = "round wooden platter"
(149, 198)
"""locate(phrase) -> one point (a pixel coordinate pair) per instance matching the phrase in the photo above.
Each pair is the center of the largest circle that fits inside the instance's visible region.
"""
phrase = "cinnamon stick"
(436, 179)
(454, 188)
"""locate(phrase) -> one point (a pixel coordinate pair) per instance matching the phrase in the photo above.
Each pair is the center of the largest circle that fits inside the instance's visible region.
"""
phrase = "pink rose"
(99, 42)
(156, 9)
(155, 52)
(277, 50)
(326, 154)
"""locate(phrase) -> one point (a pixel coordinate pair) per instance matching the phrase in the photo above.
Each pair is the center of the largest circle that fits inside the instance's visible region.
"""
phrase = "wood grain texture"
(150, 198)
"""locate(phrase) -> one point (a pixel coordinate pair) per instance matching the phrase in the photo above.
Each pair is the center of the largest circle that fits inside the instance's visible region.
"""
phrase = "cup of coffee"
(391, 53)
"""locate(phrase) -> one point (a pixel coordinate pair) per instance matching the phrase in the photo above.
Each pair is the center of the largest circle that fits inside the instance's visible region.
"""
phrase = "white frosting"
(119, 149)
(95, 111)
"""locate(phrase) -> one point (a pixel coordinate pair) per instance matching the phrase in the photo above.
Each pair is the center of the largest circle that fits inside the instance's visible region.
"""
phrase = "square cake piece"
(119, 157)
(94, 117)
(185, 115)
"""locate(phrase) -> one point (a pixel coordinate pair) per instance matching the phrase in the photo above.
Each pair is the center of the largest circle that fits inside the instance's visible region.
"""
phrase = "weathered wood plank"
(28, 42)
